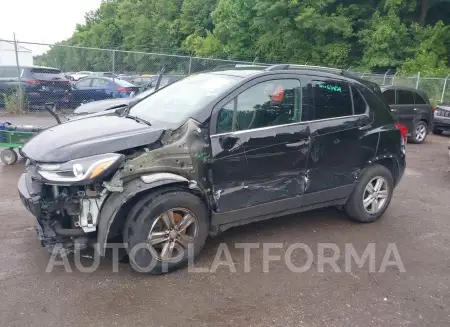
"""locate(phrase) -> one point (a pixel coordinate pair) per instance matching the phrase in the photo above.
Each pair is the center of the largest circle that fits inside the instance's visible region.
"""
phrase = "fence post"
(114, 64)
(418, 79)
(190, 65)
(385, 74)
(18, 73)
(393, 78)
(443, 90)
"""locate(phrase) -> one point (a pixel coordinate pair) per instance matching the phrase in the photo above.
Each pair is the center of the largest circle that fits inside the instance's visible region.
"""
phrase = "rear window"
(418, 99)
(122, 82)
(45, 71)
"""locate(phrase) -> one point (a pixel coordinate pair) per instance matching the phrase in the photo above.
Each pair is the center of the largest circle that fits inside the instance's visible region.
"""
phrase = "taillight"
(433, 110)
(34, 82)
(403, 130)
(124, 89)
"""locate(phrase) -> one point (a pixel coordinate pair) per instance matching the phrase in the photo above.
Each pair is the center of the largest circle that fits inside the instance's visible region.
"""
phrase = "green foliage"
(16, 102)
(371, 35)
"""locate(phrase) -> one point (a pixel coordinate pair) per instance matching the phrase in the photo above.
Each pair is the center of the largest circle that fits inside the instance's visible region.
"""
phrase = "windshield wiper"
(139, 120)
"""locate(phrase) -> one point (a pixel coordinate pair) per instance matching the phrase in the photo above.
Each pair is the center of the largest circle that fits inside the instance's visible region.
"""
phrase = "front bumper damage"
(64, 220)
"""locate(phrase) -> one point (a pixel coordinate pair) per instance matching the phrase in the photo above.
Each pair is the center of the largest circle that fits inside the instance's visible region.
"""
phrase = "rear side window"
(97, 82)
(405, 97)
(331, 99)
(418, 99)
(389, 96)
(359, 104)
(84, 83)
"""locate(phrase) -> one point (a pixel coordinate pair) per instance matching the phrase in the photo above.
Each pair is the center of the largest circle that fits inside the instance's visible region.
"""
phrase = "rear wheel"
(8, 156)
(372, 195)
(437, 131)
(419, 132)
(164, 230)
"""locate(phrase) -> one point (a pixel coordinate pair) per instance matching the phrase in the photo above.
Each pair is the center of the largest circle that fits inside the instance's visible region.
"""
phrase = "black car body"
(412, 108)
(40, 84)
(441, 119)
(213, 151)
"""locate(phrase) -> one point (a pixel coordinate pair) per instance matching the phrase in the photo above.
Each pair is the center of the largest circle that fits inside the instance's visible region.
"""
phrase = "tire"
(8, 156)
(419, 132)
(355, 204)
(147, 217)
(437, 131)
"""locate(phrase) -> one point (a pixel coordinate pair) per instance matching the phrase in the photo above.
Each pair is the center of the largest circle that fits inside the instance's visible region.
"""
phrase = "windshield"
(178, 101)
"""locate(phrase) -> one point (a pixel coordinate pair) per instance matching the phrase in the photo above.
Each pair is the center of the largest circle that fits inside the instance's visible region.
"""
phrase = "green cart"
(12, 139)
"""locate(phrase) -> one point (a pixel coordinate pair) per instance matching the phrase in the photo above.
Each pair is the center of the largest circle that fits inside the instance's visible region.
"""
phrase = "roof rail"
(238, 67)
(321, 68)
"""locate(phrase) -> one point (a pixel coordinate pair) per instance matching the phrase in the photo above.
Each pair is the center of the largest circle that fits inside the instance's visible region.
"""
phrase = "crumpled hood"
(101, 105)
(86, 137)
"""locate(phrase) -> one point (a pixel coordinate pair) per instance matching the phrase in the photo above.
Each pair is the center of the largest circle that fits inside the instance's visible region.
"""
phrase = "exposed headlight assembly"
(80, 170)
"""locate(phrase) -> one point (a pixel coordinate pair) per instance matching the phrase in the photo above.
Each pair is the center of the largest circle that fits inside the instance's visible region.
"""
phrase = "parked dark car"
(91, 89)
(40, 84)
(441, 119)
(412, 108)
(210, 152)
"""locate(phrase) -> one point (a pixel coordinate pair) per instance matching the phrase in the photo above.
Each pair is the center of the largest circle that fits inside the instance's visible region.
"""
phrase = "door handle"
(393, 110)
(415, 109)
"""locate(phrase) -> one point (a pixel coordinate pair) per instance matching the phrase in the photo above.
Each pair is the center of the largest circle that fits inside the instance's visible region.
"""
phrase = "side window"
(359, 104)
(97, 82)
(2, 70)
(331, 99)
(405, 97)
(418, 99)
(271, 103)
(389, 96)
(83, 83)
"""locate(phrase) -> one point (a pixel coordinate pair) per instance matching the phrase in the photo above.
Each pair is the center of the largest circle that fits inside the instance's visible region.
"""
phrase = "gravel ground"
(417, 221)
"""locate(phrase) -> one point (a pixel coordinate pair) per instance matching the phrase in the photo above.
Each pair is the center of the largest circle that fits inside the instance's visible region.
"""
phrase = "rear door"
(342, 141)
(407, 111)
(260, 148)
(82, 91)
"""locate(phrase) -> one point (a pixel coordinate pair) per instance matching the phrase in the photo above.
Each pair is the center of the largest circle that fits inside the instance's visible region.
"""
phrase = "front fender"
(117, 200)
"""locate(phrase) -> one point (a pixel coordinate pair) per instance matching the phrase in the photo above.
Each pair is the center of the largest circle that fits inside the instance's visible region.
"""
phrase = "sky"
(42, 21)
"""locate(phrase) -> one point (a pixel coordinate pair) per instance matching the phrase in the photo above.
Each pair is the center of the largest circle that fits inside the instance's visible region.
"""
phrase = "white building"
(8, 55)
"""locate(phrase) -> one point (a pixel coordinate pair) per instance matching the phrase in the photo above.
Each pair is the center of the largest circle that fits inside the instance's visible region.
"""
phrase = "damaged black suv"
(213, 151)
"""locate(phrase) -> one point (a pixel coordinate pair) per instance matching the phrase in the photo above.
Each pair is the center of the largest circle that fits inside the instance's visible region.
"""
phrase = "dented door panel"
(276, 159)
(340, 149)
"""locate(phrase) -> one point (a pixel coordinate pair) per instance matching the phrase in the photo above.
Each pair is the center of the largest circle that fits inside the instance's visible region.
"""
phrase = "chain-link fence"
(35, 74)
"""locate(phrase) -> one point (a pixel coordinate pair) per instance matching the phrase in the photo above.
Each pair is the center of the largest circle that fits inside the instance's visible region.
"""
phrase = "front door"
(341, 140)
(262, 122)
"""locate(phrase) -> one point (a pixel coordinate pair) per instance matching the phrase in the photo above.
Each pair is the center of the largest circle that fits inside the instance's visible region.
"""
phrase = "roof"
(236, 72)
(26, 66)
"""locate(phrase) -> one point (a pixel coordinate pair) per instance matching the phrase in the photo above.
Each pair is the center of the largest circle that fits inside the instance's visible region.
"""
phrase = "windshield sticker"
(329, 87)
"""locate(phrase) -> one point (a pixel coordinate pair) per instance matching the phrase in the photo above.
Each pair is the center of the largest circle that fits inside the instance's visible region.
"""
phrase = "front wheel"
(165, 230)
(372, 195)
(419, 132)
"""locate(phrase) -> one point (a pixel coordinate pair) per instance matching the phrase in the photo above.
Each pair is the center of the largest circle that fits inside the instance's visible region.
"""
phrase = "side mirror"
(120, 110)
(228, 141)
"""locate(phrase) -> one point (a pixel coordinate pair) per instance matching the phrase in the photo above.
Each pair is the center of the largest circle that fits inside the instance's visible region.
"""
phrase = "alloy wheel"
(421, 132)
(375, 195)
(171, 234)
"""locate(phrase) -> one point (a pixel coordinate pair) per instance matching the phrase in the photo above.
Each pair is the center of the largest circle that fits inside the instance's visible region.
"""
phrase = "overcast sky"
(42, 21)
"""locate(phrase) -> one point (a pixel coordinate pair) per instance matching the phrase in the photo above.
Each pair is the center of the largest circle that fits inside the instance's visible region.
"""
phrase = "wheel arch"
(391, 164)
(115, 208)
